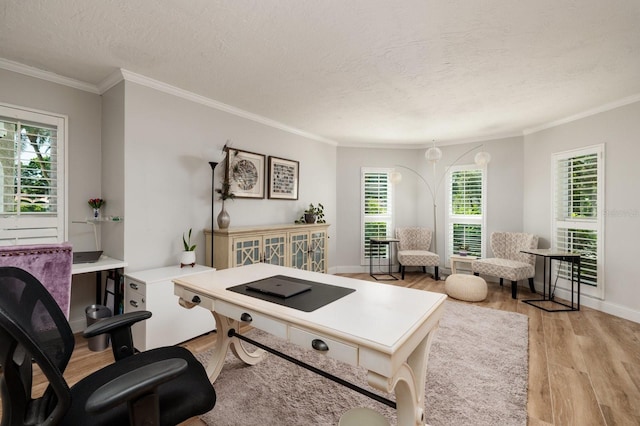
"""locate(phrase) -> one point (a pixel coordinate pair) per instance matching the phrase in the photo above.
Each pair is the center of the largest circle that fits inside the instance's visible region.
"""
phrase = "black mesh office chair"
(163, 386)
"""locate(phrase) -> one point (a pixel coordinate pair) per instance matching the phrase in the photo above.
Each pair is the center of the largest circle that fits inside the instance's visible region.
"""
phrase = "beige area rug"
(477, 375)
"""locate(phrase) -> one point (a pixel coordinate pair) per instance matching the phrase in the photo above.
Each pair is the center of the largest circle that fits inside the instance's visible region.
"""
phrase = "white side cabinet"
(170, 323)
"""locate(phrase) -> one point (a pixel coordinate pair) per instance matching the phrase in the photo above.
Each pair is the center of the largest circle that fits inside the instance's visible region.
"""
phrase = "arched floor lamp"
(433, 155)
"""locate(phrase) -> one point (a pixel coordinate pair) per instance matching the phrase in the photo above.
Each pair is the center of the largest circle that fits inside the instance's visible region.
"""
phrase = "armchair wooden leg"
(424, 269)
(501, 282)
(436, 273)
(531, 286)
(514, 289)
(402, 269)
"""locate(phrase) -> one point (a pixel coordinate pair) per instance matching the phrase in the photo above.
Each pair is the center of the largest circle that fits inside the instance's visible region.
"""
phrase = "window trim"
(390, 217)
(598, 224)
(466, 219)
(25, 231)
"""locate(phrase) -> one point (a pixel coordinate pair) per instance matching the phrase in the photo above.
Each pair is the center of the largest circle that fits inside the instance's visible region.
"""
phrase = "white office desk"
(384, 328)
(105, 263)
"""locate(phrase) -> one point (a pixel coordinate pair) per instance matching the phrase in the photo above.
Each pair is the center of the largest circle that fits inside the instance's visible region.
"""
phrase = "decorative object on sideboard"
(312, 214)
(245, 171)
(283, 179)
(224, 193)
(433, 155)
(96, 204)
(188, 255)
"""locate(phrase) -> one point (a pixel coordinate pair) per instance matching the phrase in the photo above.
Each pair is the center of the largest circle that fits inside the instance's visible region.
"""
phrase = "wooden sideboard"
(302, 246)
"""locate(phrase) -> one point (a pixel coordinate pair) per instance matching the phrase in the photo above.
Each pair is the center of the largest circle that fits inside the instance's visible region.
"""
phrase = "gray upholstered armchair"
(413, 249)
(509, 262)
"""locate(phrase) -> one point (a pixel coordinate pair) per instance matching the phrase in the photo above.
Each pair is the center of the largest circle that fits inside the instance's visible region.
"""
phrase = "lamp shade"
(433, 154)
(395, 177)
(482, 158)
(214, 154)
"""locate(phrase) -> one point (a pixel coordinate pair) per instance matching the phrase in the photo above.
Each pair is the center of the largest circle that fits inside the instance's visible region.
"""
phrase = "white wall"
(349, 165)
(151, 168)
(618, 129)
(113, 178)
(413, 205)
(168, 177)
(84, 165)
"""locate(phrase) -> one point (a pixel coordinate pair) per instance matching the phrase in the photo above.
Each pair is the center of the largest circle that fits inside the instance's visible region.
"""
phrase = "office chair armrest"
(134, 384)
(107, 325)
(119, 329)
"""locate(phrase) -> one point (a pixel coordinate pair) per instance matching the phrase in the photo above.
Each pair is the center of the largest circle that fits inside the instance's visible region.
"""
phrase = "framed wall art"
(283, 179)
(246, 173)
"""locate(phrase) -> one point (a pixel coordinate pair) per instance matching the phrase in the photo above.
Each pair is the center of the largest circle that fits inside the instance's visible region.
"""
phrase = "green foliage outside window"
(26, 164)
(466, 192)
(584, 193)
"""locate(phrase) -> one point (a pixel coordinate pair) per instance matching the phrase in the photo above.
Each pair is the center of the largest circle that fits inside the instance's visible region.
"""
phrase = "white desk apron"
(384, 328)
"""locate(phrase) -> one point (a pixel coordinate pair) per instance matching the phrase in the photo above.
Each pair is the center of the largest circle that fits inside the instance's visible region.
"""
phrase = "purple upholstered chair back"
(50, 263)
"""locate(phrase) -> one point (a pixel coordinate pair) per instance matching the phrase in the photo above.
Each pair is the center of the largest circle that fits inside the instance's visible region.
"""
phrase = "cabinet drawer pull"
(196, 299)
(246, 317)
(133, 286)
(319, 345)
(133, 303)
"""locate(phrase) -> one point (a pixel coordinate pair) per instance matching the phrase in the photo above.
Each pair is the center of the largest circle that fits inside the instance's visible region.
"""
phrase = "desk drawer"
(135, 286)
(336, 350)
(260, 321)
(190, 296)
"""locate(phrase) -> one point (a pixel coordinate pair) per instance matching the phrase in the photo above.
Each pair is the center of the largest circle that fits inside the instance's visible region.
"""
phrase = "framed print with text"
(246, 173)
(283, 178)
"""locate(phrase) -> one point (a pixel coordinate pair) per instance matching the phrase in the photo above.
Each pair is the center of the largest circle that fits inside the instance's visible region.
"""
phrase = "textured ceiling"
(356, 72)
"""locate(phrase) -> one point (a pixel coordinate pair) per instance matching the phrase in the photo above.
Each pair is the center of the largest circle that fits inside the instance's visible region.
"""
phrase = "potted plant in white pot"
(189, 254)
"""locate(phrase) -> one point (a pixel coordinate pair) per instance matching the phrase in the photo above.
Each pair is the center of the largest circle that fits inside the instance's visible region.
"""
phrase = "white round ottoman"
(465, 287)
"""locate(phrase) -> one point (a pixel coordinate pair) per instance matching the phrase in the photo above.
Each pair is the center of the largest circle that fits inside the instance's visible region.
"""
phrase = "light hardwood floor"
(584, 367)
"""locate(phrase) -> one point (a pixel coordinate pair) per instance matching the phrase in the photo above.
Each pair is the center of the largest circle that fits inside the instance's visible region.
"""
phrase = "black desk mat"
(319, 295)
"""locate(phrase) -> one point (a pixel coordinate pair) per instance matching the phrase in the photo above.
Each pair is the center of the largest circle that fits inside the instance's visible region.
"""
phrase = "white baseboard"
(600, 305)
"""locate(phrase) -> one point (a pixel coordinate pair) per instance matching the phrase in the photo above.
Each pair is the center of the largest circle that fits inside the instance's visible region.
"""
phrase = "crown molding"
(428, 144)
(122, 74)
(132, 77)
(603, 108)
(48, 76)
(111, 80)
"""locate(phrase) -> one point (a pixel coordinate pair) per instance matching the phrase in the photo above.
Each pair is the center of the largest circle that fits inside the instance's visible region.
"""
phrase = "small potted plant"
(463, 250)
(312, 214)
(188, 255)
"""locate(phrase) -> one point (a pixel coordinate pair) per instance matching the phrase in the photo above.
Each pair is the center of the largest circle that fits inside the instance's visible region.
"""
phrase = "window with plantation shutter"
(466, 210)
(578, 201)
(31, 176)
(377, 212)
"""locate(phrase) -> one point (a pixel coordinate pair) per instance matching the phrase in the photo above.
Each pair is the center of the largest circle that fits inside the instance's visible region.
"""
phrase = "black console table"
(548, 255)
(379, 242)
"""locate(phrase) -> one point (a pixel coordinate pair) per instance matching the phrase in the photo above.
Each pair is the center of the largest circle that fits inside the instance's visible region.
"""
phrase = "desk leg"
(99, 288)
(408, 384)
(224, 342)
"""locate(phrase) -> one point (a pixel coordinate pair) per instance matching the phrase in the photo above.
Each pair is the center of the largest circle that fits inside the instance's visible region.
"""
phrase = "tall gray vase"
(223, 218)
